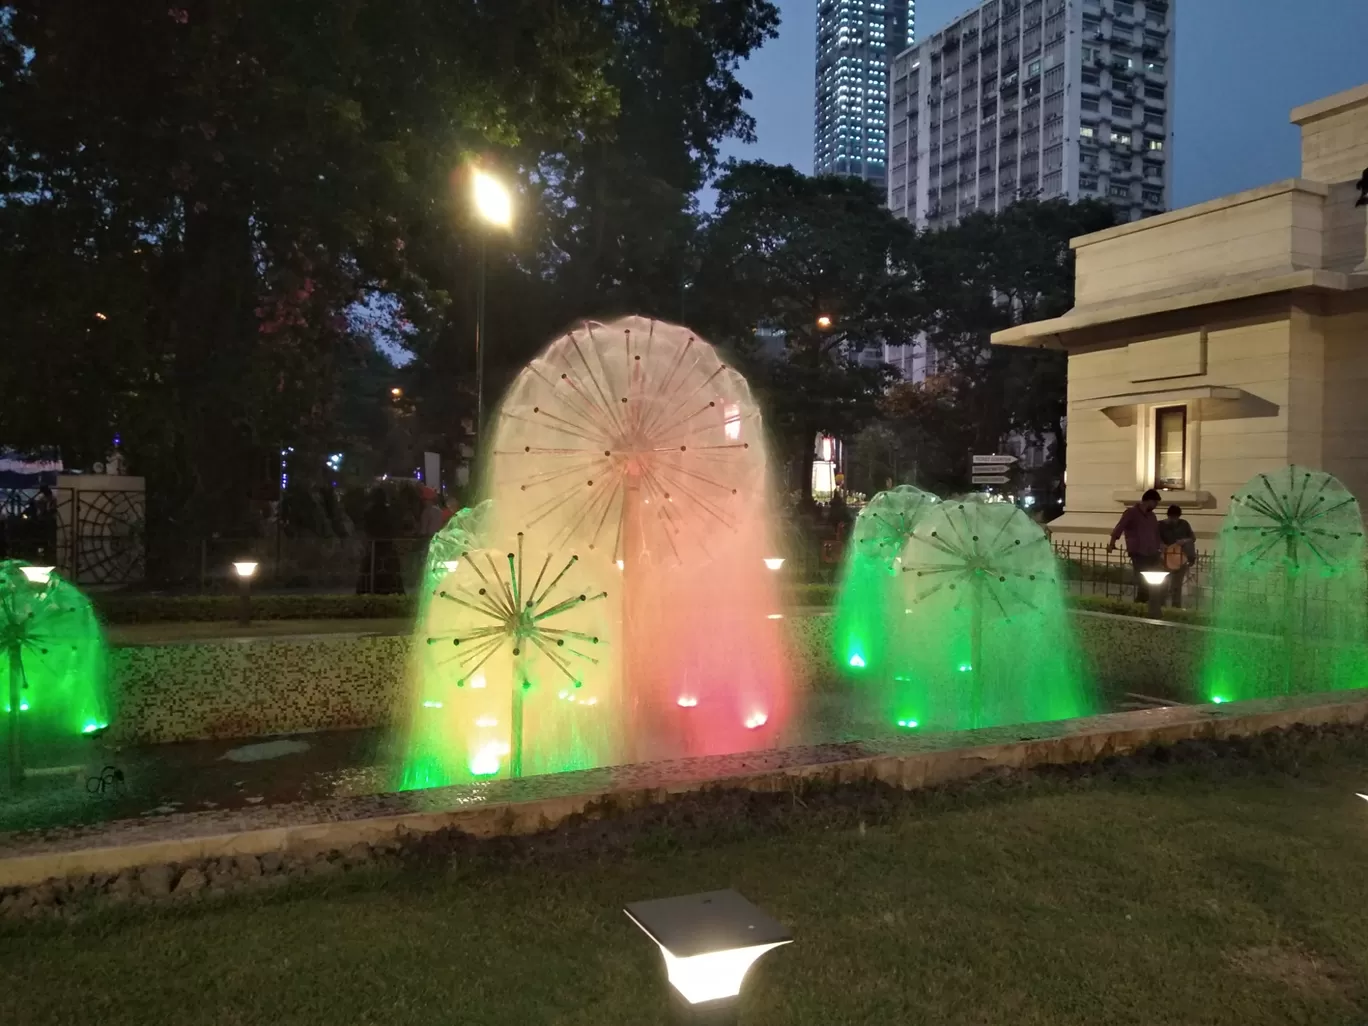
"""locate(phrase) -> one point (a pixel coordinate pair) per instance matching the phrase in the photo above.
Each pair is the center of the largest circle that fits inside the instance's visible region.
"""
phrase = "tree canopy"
(196, 201)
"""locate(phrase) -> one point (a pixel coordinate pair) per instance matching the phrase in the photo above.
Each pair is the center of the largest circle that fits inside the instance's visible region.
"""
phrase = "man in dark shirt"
(1180, 552)
(1141, 529)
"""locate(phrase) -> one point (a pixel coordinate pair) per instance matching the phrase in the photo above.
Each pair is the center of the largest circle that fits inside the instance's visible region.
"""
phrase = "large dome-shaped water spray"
(634, 440)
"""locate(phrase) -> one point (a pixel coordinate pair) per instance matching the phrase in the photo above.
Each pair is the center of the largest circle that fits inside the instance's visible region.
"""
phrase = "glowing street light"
(397, 392)
(493, 200)
(245, 570)
(824, 322)
(709, 942)
(1155, 580)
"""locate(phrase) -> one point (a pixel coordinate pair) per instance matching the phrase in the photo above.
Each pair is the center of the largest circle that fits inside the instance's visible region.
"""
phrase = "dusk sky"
(1242, 66)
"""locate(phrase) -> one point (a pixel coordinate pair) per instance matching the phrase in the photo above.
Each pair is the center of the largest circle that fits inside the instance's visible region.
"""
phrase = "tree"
(217, 184)
(820, 264)
(986, 273)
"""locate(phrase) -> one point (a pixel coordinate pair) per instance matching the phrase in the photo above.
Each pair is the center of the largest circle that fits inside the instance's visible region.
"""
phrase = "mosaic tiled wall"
(262, 686)
(247, 688)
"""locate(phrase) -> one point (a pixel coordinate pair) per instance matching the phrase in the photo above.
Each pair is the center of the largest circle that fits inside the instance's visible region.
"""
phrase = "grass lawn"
(1226, 891)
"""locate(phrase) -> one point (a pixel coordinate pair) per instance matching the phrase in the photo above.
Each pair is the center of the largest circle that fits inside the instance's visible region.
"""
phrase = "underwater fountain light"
(857, 661)
(37, 574)
(687, 701)
(450, 565)
(709, 942)
(774, 562)
(756, 720)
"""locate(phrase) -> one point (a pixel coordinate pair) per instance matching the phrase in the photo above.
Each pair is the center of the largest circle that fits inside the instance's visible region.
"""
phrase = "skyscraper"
(856, 41)
(1035, 98)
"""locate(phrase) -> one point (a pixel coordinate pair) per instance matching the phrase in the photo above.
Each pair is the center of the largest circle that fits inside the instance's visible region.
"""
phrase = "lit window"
(1087, 132)
(1155, 144)
(1170, 448)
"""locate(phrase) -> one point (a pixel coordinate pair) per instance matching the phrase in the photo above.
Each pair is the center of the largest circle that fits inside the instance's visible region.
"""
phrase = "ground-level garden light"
(709, 942)
(1154, 580)
(245, 570)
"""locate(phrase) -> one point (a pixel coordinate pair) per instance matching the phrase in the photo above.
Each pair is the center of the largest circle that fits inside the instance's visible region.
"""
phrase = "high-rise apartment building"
(1035, 98)
(856, 41)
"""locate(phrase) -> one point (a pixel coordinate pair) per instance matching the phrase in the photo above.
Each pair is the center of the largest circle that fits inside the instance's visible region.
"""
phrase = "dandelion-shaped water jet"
(635, 441)
(987, 636)
(869, 609)
(516, 662)
(1290, 561)
(53, 670)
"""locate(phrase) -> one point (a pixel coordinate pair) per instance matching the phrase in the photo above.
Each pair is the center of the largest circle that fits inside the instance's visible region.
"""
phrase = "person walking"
(1141, 530)
(1180, 552)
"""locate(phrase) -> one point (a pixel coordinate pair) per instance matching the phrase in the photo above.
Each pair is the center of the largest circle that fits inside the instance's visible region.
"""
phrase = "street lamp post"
(495, 207)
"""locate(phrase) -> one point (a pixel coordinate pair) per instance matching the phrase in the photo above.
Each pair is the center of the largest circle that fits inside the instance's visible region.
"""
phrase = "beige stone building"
(1212, 343)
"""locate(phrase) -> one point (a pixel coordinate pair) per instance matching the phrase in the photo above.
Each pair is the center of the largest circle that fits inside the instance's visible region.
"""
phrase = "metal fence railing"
(1089, 569)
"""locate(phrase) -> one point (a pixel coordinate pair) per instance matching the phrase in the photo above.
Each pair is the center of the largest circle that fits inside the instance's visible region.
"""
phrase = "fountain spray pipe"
(16, 684)
(976, 651)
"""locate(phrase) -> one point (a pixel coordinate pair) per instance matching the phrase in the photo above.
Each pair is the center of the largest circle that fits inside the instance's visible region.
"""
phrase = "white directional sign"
(990, 479)
(995, 459)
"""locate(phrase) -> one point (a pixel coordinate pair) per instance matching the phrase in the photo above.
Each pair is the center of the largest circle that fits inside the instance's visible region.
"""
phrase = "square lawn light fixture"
(1155, 580)
(709, 941)
(245, 569)
(774, 562)
(37, 574)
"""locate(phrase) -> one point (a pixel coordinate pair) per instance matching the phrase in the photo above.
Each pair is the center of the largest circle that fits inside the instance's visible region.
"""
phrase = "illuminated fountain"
(52, 679)
(628, 469)
(869, 605)
(1291, 590)
(986, 639)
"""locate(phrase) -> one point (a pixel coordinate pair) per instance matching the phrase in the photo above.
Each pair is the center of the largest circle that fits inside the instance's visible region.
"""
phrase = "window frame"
(1158, 433)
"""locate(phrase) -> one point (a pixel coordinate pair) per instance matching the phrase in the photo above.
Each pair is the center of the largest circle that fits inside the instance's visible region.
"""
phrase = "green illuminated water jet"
(868, 606)
(52, 669)
(1291, 600)
(498, 663)
(986, 639)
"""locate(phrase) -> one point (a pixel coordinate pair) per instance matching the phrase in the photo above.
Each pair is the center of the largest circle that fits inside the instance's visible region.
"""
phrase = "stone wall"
(252, 687)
